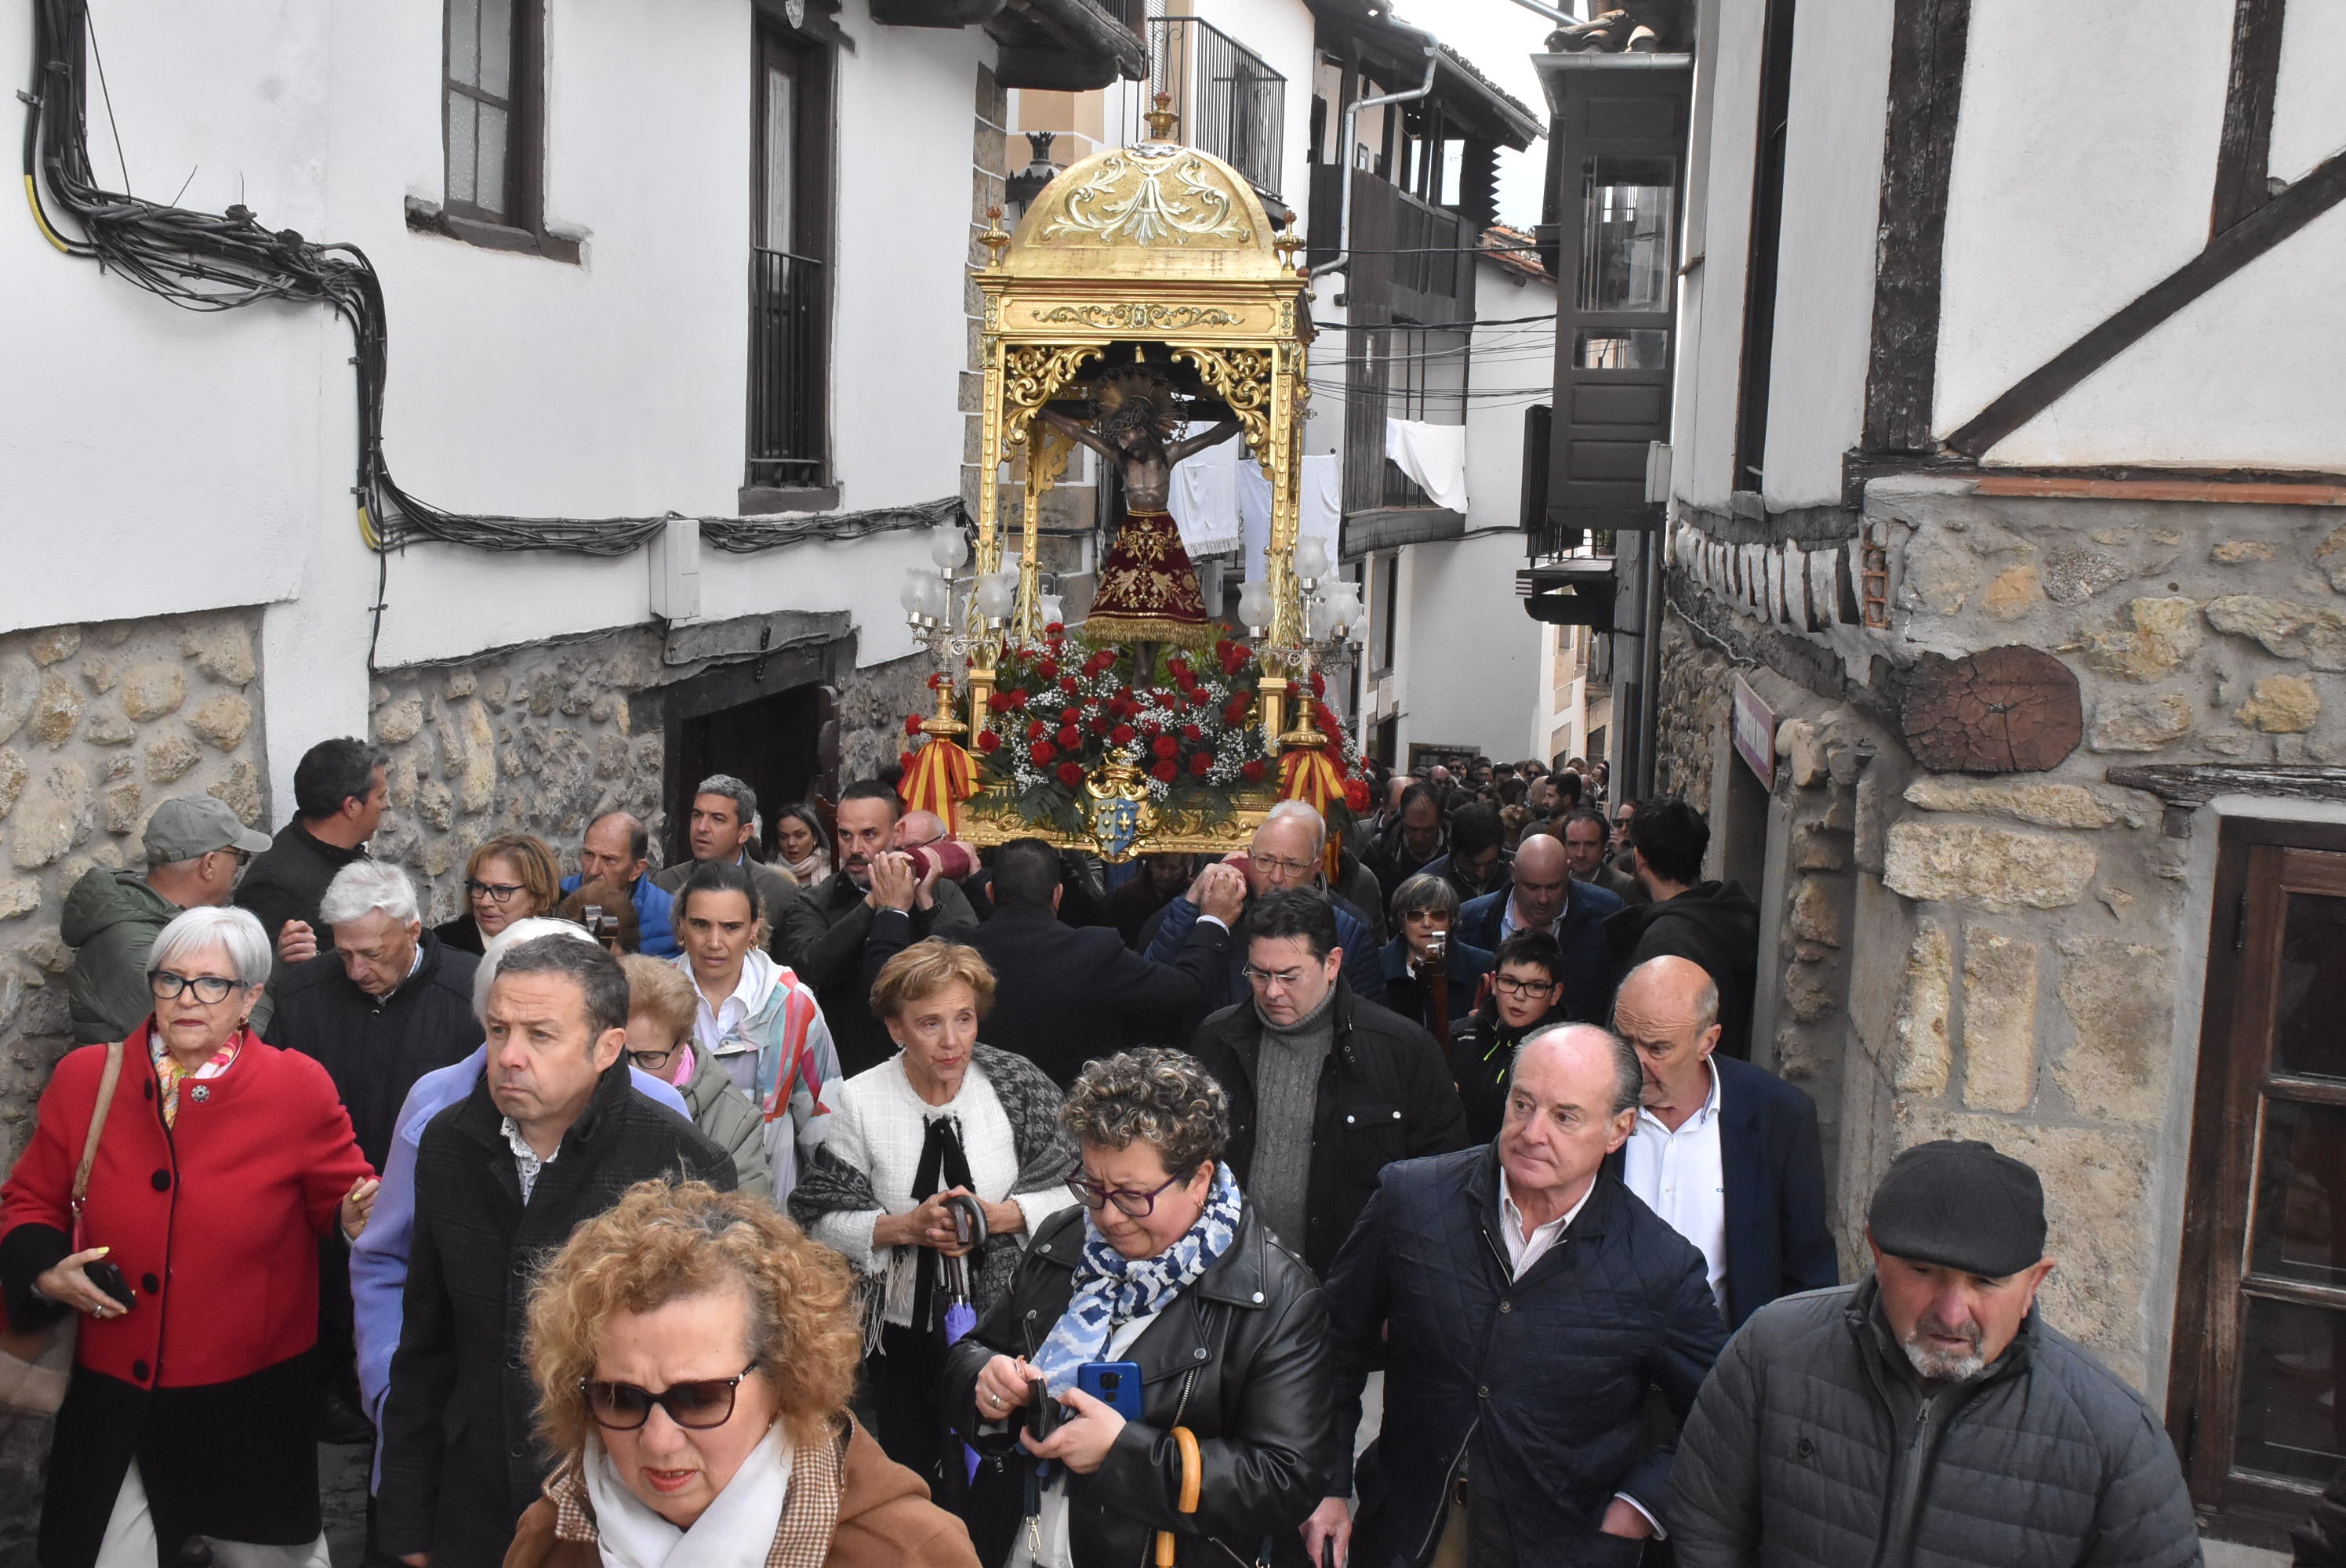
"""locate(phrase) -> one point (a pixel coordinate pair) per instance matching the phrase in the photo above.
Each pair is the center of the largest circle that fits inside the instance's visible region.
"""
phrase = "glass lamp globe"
(995, 592)
(1311, 559)
(914, 595)
(1053, 610)
(948, 547)
(1254, 604)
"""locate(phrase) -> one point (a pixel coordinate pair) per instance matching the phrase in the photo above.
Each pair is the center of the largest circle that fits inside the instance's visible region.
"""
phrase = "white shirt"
(1523, 1252)
(1682, 1177)
(717, 1029)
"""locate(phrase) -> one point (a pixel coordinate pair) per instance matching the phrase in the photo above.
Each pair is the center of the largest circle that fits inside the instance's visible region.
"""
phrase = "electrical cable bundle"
(203, 261)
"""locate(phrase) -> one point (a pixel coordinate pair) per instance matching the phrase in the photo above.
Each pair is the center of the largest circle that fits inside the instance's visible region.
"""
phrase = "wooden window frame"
(2203, 1379)
(814, 217)
(522, 227)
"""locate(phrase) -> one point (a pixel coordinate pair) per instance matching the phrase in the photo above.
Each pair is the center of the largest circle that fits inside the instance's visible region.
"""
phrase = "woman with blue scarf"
(1164, 1266)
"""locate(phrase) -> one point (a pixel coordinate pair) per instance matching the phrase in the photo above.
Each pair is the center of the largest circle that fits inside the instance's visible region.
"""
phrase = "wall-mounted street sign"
(1755, 732)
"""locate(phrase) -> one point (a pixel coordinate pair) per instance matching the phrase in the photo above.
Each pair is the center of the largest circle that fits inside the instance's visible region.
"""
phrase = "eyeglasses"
(1275, 863)
(696, 1407)
(495, 893)
(1264, 979)
(652, 1060)
(1509, 986)
(1139, 1204)
(209, 988)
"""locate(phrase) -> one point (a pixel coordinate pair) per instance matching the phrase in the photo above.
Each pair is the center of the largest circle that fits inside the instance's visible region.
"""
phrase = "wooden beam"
(1928, 40)
(2234, 492)
(2244, 155)
(2225, 254)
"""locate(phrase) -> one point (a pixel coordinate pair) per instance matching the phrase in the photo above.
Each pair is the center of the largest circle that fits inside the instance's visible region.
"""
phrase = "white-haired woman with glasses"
(1164, 1267)
(694, 1353)
(191, 1257)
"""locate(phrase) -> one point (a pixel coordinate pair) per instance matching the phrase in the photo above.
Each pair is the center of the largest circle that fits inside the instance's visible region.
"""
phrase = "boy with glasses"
(1521, 1000)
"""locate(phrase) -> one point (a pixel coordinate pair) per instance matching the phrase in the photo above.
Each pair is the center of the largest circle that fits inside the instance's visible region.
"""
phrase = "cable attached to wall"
(211, 262)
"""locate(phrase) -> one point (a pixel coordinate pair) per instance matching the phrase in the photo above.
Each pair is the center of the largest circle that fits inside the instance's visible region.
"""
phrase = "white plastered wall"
(2084, 166)
(161, 462)
(1824, 287)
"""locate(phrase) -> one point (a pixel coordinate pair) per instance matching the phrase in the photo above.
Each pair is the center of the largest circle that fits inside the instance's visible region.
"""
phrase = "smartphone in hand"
(108, 1277)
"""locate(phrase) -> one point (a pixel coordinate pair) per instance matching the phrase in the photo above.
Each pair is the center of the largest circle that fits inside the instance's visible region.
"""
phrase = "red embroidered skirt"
(1148, 588)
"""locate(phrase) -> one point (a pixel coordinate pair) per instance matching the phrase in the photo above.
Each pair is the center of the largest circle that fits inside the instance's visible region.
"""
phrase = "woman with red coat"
(193, 1264)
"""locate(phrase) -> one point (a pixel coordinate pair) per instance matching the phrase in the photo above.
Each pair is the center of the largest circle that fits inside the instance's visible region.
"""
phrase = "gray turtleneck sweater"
(1287, 1099)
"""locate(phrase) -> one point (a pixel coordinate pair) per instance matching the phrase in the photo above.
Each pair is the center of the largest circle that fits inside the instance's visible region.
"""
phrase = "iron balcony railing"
(787, 370)
(1231, 103)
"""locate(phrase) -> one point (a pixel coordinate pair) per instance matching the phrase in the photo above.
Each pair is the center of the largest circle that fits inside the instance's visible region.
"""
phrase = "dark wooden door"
(1619, 187)
(2259, 1390)
(771, 744)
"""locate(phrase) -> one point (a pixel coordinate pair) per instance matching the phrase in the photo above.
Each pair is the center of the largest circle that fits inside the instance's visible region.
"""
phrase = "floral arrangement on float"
(1068, 727)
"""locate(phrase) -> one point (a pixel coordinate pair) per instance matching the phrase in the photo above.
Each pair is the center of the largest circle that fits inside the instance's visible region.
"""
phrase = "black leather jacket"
(1240, 1358)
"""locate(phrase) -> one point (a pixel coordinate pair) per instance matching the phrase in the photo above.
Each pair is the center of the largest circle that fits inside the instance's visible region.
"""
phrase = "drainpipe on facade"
(1342, 261)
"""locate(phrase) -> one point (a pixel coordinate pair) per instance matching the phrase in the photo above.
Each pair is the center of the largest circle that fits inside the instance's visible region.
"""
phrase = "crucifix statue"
(1147, 586)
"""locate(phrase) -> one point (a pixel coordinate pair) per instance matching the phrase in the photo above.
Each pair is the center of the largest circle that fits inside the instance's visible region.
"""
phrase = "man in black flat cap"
(1928, 1414)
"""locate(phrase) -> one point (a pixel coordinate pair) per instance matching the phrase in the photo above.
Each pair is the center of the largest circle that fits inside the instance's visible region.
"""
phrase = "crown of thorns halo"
(1135, 398)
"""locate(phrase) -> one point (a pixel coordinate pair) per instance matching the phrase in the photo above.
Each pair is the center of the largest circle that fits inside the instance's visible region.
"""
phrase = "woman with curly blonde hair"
(694, 1353)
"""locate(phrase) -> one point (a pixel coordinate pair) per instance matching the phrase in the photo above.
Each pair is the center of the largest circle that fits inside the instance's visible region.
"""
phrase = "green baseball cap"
(193, 825)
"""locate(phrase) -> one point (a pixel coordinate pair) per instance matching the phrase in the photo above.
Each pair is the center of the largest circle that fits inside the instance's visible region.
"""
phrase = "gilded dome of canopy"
(1191, 214)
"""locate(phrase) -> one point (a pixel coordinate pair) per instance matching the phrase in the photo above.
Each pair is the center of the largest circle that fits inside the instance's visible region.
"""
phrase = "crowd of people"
(1397, 1190)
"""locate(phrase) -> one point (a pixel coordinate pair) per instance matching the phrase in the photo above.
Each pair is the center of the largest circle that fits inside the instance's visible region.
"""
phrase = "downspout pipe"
(1342, 261)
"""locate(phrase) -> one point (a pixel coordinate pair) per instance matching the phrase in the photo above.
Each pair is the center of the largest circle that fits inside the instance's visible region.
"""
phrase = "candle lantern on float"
(1145, 307)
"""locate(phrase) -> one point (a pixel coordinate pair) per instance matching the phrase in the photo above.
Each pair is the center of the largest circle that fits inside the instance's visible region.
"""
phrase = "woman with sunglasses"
(1166, 1267)
(661, 1005)
(694, 1353)
(512, 877)
(191, 1259)
(944, 1119)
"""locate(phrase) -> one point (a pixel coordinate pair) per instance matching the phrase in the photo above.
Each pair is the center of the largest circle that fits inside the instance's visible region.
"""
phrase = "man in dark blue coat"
(1725, 1152)
(1543, 896)
(1522, 1302)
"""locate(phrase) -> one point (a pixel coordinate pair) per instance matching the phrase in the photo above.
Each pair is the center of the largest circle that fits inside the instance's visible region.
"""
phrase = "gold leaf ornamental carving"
(1242, 377)
(1139, 316)
(1032, 377)
(1151, 196)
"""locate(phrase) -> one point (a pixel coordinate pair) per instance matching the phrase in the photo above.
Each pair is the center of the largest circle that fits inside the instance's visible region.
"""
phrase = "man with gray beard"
(1928, 1414)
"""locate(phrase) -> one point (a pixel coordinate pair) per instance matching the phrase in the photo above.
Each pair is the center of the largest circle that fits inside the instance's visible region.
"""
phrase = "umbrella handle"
(1193, 1478)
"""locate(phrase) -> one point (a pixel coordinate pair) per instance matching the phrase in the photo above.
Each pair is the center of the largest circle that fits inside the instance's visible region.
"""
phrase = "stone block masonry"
(2015, 951)
(98, 724)
(545, 739)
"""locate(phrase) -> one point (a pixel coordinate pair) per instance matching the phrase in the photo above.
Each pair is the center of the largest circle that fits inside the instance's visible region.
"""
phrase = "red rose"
(1200, 762)
(1048, 669)
(1221, 645)
(1235, 713)
(1019, 698)
(904, 760)
(1054, 631)
(1100, 725)
(1036, 729)
(1121, 735)
(1191, 733)
(1166, 746)
(988, 741)
(1166, 772)
(1071, 714)
(1242, 652)
(1067, 684)
(1253, 771)
(1123, 694)
(1328, 720)
(1042, 753)
(1070, 738)
(1071, 774)
(1356, 795)
(1318, 684)
(998, 703)
(912, 724)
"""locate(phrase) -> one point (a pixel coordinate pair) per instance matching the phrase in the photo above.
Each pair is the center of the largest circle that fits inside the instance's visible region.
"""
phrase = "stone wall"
(98, 724)
(545, 739)
(2003, 957)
